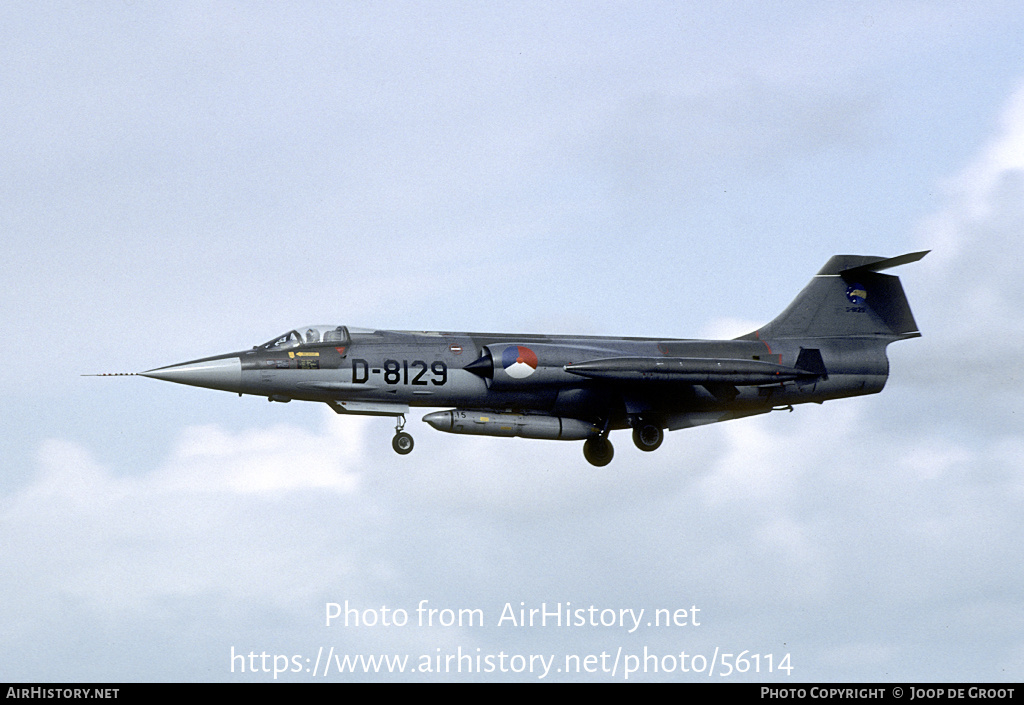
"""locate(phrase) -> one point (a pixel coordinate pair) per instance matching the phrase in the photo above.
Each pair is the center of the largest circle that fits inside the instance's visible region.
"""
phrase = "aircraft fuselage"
(829, 343)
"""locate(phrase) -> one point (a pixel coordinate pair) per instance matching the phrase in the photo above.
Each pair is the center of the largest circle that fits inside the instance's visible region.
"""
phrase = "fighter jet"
(829, 343)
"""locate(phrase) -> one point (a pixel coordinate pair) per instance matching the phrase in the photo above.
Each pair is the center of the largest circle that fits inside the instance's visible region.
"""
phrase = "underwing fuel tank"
(485, 423)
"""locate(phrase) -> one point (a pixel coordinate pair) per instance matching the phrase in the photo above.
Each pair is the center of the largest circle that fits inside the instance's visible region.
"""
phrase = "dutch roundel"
(519, 362)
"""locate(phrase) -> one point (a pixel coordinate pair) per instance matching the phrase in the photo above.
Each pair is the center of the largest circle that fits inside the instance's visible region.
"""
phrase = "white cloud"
(186, 527)
(976, 186)
(275, 459)
(966, 294)
(976, 236)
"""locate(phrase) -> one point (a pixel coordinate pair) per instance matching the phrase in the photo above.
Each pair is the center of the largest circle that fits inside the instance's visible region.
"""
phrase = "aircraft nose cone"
(213, 373)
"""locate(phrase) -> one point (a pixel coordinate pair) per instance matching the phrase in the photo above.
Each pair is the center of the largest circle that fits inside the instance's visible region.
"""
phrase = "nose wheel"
(402, 442)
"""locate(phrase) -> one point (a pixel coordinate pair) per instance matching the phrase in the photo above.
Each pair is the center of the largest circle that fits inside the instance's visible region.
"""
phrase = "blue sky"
(185, 180)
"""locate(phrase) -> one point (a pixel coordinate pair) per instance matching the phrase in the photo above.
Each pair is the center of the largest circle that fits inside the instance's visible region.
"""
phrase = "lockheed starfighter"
(829, 343)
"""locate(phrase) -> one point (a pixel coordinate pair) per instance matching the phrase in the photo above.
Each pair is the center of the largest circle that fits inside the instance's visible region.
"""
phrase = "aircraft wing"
(689, 370)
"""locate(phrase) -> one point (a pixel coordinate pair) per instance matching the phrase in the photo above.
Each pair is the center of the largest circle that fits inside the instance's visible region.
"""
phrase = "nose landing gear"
(402, 442)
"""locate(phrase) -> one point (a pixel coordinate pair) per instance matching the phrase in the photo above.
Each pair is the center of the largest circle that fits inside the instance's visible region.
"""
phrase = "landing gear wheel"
(402, 443)
(647, 436)
(598, 451)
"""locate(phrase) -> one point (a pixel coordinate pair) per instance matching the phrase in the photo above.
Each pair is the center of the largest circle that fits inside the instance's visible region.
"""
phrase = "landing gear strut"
(402, 442)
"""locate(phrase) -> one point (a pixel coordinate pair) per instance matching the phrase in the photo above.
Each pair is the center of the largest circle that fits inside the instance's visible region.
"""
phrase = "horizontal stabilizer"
(852, 266)
(881, 264)
(688, 370)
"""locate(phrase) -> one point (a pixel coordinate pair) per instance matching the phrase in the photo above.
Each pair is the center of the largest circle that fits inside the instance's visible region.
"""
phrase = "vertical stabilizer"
(849, 298)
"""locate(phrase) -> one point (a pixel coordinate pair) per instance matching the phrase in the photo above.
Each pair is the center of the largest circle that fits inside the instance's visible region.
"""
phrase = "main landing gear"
(402, 442)
(598, 451)
(647, 436)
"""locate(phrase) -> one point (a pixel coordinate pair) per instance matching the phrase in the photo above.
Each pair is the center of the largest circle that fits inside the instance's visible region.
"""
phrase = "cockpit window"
(309, 335)
(282, 342)
(338, 335)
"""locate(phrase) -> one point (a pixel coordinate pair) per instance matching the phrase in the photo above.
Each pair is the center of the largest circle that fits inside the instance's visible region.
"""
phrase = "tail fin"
(849, 297)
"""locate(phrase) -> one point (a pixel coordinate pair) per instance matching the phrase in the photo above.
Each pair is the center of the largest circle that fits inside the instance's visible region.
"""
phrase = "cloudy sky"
(183, 180)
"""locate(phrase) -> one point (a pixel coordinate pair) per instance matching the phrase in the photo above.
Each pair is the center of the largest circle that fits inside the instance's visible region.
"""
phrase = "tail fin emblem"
(857, 294)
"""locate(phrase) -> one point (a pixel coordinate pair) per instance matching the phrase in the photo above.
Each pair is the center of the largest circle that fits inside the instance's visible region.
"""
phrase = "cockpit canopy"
(310, 335)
